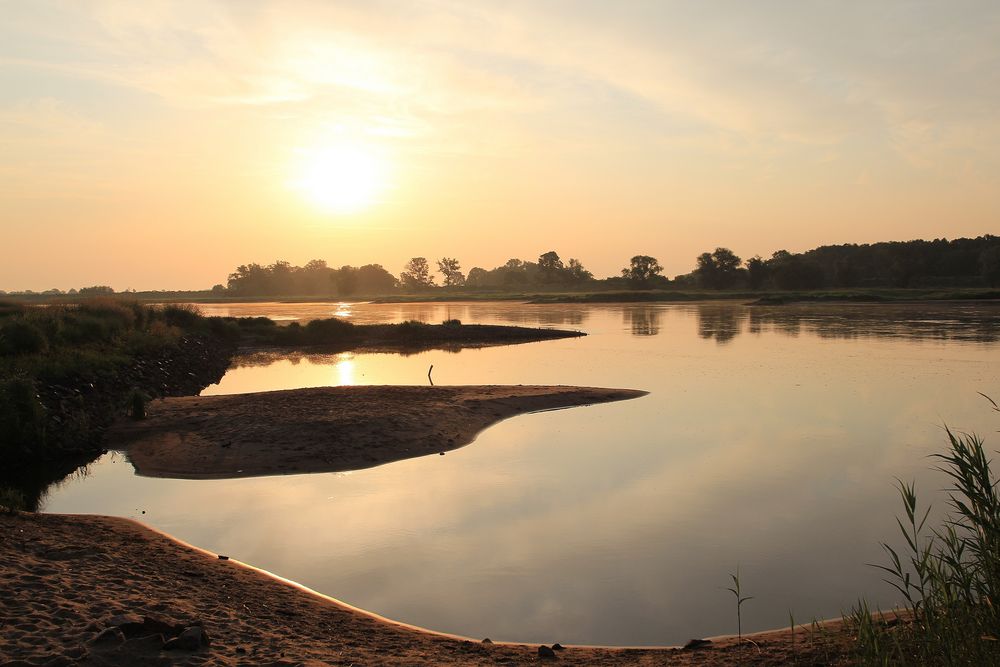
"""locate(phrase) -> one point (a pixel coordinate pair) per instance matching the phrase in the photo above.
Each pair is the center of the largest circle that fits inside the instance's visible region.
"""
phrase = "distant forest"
(939, 263)
(902, 264)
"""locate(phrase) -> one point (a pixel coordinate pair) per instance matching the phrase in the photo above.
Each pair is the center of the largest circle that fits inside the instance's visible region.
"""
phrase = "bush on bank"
(57, 360)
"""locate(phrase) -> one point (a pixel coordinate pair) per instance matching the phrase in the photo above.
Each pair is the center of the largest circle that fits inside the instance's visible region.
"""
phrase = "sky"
(158, 145)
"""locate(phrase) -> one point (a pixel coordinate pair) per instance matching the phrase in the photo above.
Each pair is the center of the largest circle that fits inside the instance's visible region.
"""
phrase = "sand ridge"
(326, 429)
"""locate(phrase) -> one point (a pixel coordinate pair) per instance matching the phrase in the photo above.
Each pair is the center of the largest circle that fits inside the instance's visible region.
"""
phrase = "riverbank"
(68, 579)
(325, 429)
(68, 371)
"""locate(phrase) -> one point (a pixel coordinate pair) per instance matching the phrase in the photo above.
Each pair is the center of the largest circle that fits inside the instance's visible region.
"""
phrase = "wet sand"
(69, 581)
(325, 429)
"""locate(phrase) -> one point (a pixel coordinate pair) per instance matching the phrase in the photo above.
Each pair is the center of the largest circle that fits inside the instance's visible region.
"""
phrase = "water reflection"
(545, 316)
(345, 369)
(721, 322)
(616, 524)
(642, 320)
(979, 322)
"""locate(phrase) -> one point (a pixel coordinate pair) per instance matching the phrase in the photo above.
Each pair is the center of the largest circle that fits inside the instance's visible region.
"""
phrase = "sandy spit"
(325, 429)
(66, 579)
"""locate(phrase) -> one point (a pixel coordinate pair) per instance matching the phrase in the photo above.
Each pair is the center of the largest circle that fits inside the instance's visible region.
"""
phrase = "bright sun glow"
(344, 178)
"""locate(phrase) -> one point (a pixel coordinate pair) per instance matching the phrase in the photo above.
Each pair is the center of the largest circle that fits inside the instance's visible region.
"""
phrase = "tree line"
(940, 263)
(902, 264)
(915, 264)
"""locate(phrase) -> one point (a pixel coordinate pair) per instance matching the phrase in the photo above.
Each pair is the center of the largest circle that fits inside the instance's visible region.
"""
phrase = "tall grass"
(73, 346)
(949, 576)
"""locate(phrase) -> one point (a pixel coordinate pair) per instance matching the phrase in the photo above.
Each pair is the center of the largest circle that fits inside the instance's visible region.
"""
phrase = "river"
(769, 441)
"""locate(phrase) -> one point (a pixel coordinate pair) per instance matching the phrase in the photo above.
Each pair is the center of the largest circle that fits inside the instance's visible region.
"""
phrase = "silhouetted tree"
(416, 274)
(517, 273)
(478, 277)
(93, 290)
(989, 265)
(719, 269)
(345, 280)
(284, 278)
(374, 279)
(550, 267)
(790, 271)
(452, 272)
(641, 271)
(705, 271)
(756, 272)
(315, 278)
(577, 273)
(248, 279)
(726, 261)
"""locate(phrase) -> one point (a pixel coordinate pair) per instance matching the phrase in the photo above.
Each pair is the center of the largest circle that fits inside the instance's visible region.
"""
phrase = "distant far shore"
(751, 297)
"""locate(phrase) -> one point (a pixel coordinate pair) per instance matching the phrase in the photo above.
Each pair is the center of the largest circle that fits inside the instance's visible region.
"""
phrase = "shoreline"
(611, 296)
(77, 572)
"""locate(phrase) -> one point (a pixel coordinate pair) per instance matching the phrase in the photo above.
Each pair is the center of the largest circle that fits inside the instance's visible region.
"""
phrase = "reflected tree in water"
(559, 316)
(642, 320)
(723, 322)
(974, 322)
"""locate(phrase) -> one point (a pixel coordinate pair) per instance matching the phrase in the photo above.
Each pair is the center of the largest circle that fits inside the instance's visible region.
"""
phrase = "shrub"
(452, 323)
(224, 328)
(21, 416)
(21, 337)
(12, 500)
(184, 316)
(8, 308)
(117, 310)
(329, 331)
(81, 328)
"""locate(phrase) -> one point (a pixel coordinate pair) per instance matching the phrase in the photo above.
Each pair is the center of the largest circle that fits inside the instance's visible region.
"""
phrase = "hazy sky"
(154, 145)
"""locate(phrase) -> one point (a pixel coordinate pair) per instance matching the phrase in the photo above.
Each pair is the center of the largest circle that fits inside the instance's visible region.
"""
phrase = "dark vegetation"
(938, 264)
(850, 271)
(338, 335)
(68, 371)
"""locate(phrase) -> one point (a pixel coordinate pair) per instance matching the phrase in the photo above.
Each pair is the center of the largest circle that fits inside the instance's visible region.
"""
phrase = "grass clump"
(21, 415)
(46, 352)
(12, 500)
(949, 577)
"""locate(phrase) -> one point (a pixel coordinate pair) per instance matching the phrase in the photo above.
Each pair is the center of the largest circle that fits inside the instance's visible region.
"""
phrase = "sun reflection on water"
(345, 369)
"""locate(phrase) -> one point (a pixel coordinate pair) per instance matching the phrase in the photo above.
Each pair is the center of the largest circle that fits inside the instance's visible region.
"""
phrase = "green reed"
(949, 576)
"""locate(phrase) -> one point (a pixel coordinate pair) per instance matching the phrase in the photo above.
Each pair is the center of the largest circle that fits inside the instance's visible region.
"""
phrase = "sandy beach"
(325, 429)
(98, 591)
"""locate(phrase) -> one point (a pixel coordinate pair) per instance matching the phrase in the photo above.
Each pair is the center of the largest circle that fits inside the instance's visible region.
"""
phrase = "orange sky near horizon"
(158, 145)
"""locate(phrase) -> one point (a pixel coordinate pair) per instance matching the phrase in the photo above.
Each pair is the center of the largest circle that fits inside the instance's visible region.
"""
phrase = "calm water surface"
(769, 440)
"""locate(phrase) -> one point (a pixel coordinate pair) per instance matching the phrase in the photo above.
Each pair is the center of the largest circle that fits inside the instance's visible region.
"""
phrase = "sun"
(342, 178)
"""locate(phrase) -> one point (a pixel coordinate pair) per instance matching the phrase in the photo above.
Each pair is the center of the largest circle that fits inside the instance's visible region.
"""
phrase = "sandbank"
(325, 429)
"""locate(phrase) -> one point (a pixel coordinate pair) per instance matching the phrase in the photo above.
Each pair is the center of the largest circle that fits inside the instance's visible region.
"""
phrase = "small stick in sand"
(429, 375)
